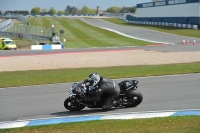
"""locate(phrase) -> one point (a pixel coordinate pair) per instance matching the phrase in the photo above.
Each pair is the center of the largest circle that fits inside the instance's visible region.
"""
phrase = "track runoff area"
(127, 115)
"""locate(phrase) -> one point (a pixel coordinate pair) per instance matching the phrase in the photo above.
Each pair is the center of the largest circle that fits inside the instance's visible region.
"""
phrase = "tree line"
(84, 10)
(73, 10)
(16, 12)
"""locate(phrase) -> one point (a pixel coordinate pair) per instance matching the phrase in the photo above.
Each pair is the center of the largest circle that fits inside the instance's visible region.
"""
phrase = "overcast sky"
(62, 4)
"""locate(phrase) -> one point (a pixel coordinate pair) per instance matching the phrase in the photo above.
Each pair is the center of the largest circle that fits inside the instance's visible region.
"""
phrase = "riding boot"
(108, 103)
(117, 102)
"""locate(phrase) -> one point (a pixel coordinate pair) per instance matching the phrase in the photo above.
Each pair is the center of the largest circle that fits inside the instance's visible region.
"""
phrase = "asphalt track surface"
(160, 48)
(43, 101)
(139, 32)
(160, 93)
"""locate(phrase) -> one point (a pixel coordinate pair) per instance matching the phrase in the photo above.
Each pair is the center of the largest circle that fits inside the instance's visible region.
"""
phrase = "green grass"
(79, 34)
(183, 124)
(36, 77)
(171, 30)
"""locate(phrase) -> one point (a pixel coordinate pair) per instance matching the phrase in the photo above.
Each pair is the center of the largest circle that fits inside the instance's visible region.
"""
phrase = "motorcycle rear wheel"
(135, 97)
(74, 106)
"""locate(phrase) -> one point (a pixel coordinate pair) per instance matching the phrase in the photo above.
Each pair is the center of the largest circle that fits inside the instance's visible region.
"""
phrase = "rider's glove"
(92, 90)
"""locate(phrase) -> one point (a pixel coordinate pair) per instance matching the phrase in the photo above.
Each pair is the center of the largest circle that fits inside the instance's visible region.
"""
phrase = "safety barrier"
(24, 36)
(7, 29)
(46, 47)
(38, 15)
(22, 18)
(162, 24)
(4, 25)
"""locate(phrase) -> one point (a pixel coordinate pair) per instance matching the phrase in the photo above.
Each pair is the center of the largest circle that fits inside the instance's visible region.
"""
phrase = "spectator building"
(171, 11)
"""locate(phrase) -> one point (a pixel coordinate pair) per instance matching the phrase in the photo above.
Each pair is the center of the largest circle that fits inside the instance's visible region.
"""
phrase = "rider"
(96, 83)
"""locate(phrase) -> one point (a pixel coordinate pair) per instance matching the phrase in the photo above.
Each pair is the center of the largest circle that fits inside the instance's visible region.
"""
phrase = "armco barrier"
(46, 47)
(189, 26)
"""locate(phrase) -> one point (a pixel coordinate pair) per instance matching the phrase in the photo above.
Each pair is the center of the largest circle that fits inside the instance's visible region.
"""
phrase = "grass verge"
(35, 77)
(178, 124)
(171, 30)
(79, 34)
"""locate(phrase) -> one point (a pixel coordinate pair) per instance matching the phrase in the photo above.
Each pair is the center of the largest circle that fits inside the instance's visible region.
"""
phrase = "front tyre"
(73, 106)
(134, 98)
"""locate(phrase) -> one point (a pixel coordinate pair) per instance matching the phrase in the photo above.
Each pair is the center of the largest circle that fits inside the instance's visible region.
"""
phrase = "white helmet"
(94, 78)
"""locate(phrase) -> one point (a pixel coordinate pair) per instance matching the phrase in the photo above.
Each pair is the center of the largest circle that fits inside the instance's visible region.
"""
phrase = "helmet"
(94, 78)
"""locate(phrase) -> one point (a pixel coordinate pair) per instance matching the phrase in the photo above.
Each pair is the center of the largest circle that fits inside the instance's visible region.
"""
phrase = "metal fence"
(24, 36)
(5, 25)
(31, 30)
(24, 31)
(22, 18)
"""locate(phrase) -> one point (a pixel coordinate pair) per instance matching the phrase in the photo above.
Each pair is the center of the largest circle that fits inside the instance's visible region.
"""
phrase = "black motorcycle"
(129, 96)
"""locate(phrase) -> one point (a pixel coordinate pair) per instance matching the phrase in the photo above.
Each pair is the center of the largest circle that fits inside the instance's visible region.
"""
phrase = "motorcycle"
(129, 96)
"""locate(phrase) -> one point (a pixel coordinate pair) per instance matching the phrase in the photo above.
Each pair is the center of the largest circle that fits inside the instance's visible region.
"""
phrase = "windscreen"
(9, 42)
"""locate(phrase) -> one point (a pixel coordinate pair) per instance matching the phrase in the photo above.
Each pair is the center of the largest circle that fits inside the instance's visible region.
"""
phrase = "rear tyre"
(134, 98)
(73, 106)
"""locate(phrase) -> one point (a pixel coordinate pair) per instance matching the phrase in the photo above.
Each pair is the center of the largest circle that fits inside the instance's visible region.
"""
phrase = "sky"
(62, 4)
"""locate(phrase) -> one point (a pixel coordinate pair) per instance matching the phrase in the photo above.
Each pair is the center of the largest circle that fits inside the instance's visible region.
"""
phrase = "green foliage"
(86, 10)
(113, 9)
(133, 9)
(71, 10)
(79, 34)
(128, 9)
(52, 11)
(61, 12)
(44, 10)
(35, 10)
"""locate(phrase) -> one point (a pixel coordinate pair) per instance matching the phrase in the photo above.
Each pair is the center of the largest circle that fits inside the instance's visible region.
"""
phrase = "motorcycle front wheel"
(73, 106)
(134, 98)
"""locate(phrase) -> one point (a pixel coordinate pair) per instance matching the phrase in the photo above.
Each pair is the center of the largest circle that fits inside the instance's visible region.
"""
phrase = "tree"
(71, 10)
(0, 13)
(35, 10)
(7, 12)
(113, 9)
(68, 9)
(86, 10)
(133, 9)
(128, 9)
(27, 12)
(44, 10)
(61, 12)
(52, 11)
(124, 10)
(74, 10)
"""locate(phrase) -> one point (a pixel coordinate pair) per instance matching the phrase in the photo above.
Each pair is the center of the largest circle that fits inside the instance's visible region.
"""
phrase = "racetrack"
(116, 56)
(153, 47)
(142, 33)
(160, 93)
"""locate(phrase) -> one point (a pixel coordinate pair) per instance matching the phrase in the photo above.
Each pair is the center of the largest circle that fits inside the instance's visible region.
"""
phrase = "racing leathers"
(104, 87)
